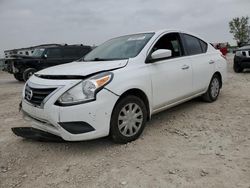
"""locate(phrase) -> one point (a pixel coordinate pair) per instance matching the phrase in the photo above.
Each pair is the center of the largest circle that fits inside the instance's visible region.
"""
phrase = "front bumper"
(243, 62)
(58, 120)
(35, 134)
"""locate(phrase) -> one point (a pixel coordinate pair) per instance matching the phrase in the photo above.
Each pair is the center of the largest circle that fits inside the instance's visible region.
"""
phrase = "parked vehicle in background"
(223, 47)
(242, 58)
(25, 51)
(23, 66)
(120, 85)
(2, 64)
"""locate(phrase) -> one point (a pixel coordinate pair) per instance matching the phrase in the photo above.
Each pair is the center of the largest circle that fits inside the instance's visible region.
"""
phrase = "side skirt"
(177, 103)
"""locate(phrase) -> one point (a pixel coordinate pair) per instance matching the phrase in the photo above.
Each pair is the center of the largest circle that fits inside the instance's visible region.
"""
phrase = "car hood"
(82, 68)
(247, 47)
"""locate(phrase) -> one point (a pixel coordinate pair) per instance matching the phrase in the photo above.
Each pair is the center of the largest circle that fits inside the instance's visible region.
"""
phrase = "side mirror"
(161, 54)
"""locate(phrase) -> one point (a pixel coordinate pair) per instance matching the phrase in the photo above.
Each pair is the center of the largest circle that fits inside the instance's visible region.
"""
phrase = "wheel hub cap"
(130, 119)
(215, 87)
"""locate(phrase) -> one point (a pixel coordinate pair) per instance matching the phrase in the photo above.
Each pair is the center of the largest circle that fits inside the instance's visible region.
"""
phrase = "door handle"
(184, 67)
(211, 62)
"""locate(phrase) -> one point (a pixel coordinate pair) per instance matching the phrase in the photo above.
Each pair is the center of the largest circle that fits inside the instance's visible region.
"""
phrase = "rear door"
(70, 54)
(74, 53)
(202, 62)
(53, 57)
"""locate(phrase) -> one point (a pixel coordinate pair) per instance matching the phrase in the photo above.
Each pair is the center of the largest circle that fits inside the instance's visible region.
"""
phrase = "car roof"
(69, 46)
(161, 31)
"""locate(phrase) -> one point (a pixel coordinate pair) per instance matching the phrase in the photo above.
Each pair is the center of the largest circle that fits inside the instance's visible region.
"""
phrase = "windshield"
(119, 48)
(38, 52)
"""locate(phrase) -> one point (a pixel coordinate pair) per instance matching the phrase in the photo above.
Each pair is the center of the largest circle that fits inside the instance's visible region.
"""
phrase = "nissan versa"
(119, 85)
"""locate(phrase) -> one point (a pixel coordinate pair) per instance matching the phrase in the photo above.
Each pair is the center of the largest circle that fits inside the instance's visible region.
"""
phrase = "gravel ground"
(195, 144)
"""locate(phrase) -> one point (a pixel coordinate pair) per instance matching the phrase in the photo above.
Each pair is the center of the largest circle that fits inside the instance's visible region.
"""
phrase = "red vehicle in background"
(224, 50)
(223, 47)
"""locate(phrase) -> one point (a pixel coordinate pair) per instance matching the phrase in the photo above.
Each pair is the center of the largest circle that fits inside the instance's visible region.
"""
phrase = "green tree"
(239, 29)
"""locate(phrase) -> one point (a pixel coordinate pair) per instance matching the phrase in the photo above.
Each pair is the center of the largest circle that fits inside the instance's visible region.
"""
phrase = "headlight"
(86, 90)
(23, 92)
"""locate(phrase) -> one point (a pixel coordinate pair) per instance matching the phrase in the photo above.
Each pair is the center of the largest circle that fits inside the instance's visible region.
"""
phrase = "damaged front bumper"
(71, 123)
(35, 134)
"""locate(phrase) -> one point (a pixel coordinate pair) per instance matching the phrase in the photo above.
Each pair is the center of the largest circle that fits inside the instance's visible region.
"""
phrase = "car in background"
(119, 85)
(223, 47)
(23, 66)
(242, 58)
(1, 64)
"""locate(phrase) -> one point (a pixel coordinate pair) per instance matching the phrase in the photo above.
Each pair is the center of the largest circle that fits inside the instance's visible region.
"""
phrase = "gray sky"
(32, 22)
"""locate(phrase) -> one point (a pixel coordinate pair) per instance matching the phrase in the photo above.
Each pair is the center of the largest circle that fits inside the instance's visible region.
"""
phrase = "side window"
(53, 53)
(82, 52)
(193, 45)
(171, 42)
(203, 46)
(70, 52)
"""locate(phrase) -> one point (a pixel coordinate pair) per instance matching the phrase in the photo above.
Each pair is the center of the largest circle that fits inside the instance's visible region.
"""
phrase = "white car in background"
(120, 85)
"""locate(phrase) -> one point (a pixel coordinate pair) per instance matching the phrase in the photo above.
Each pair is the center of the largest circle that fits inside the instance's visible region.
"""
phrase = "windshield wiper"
(99, 59)
(102, 59)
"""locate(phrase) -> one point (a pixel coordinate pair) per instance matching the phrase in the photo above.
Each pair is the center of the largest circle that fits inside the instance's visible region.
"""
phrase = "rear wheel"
(213, 89)
(28, 73)
(237, 68)
(128, 119)
(18, 76)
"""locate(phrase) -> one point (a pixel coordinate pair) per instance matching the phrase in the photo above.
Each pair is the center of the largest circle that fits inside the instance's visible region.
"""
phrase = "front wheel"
(18, 76)
(28, 73)
(213, 90)
(128, 119)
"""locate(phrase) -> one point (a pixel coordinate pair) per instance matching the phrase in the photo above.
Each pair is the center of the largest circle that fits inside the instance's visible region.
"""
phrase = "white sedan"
(119, 85)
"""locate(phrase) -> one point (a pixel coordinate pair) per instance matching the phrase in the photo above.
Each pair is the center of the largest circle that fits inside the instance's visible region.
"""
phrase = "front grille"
(37, 95)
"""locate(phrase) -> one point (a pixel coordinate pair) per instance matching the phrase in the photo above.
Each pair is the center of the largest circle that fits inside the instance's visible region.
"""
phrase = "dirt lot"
(195, 144)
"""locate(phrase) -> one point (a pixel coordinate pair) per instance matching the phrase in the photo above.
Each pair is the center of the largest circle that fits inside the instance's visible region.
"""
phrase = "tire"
(128, 119)
(213, 90)
(18, 76)
(28, 73)
(237, 68)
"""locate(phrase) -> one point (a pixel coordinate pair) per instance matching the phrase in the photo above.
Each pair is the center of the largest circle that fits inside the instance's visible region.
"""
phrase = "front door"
(172, 77)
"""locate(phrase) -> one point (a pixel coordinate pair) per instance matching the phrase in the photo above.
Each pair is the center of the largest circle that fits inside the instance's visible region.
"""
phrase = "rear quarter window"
(70, 52)
(193, 45)
(83, 51)
(203, 46)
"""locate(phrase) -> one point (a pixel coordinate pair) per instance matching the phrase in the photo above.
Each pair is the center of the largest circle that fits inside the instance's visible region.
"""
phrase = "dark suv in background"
(24, 66)
(242, 58)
